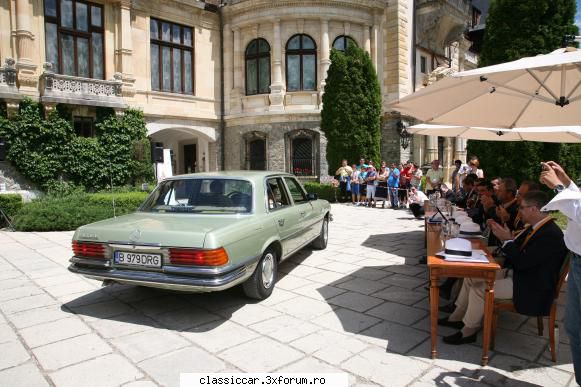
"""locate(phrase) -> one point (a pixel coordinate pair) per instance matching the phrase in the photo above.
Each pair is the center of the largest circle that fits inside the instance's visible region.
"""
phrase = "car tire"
(321, 242)
(261, 284)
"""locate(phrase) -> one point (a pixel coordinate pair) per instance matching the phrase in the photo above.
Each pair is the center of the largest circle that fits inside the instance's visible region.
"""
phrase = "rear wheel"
(321, 242)
(261, 284)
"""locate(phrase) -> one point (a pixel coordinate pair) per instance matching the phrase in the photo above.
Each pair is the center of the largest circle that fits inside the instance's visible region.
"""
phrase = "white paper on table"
(478, 256)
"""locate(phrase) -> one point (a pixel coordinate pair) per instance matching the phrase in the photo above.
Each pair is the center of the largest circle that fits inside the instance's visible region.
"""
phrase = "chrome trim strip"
(168, 281)
(91, 262)
(143, 245)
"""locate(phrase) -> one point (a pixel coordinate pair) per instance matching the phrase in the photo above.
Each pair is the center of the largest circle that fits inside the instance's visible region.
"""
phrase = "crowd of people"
(365, 185)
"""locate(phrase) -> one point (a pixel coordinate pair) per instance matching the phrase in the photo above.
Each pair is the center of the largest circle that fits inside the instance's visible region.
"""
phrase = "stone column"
(277, 89)
(366, 39)
(228, 76)
(418, 149)
(431, 149)
(325, 59)
(236, 94)
(460, 149)
(124, 51)
(213, 156)
(375, 44)
(26, 69)
(448, 162)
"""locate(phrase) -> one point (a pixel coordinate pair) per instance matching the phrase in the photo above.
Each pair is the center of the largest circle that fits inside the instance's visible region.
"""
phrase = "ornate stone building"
(231, 84)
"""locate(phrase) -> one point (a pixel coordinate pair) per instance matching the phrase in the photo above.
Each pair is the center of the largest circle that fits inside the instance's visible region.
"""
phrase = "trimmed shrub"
(65, 213)
(10, 204)
(323, 191)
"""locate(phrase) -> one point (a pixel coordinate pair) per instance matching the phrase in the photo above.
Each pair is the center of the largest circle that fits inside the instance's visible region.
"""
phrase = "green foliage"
(10, 204)
(516, 28)
(64, 213)
(324, 191)
(48, 150)
(351, 114)
(538, 29)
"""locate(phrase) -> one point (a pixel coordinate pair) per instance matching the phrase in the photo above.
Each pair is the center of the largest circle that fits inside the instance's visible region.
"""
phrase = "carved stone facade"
(219, 117)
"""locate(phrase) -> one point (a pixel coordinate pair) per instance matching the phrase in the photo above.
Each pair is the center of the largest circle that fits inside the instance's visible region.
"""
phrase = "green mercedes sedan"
(206, 232)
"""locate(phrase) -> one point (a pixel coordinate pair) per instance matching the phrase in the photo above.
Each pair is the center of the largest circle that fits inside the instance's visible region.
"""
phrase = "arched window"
(301, 63)
(342, 42)
(257, 67)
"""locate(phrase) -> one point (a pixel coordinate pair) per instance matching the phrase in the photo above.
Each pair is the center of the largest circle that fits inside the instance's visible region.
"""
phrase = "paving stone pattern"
(358, 307)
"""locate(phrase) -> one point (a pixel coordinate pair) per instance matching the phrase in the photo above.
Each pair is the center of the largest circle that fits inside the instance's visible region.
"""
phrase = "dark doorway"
(257, 153)
(190, 157)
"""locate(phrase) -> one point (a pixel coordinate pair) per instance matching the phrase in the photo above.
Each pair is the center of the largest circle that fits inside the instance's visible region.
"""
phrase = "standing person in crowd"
(404, 183)
(362, 163)
(434, 177)
(381, 189)
(363, 184)
(344, 174)
(568, 202)
(355, 187)
(416, 176)
(474, 166)
(455, 178)
(371, 180)
(393, 185)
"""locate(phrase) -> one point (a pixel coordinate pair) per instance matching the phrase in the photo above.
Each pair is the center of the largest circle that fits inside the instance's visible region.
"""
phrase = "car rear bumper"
(172, 278)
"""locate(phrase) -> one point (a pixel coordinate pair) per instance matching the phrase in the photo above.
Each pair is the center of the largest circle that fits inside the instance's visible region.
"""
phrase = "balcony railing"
(59, 88)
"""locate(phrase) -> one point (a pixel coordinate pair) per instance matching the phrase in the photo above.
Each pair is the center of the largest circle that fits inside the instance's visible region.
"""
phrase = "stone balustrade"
(59, 88)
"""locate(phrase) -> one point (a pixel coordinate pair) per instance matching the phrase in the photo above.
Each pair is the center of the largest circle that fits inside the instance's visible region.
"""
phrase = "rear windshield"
(213, 196)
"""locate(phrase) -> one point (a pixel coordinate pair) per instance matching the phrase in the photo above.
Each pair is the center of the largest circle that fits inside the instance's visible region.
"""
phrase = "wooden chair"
(501, 305)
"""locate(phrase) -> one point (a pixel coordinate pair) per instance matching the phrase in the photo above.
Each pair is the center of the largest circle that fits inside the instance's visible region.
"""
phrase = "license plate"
(137, 259)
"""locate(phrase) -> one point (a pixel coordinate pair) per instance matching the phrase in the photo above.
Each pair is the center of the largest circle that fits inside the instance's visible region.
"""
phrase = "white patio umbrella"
(565, 134)
(541, 91)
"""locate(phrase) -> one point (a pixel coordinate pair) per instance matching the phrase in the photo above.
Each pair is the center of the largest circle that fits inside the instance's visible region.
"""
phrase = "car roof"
(249, 175)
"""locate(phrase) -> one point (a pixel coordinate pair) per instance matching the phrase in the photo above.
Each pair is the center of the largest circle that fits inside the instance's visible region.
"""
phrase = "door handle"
(302, 213)
(281, 222)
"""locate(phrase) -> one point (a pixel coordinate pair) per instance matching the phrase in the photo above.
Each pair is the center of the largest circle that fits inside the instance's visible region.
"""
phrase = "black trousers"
(417, 210)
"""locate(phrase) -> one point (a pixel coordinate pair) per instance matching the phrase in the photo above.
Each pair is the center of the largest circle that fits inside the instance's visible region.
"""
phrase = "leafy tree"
(516, 29)
(351, 111)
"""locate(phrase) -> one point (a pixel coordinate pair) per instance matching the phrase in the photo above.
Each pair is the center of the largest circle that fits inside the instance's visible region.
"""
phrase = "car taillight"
(216, 257)
(89, 250)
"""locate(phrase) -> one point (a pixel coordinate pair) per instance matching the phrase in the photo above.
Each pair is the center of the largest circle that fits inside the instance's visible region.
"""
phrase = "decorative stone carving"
(8, 74)
(60, 88)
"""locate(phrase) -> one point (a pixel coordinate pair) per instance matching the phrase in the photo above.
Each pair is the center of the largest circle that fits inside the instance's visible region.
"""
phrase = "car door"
(283, 214)
(306, 214)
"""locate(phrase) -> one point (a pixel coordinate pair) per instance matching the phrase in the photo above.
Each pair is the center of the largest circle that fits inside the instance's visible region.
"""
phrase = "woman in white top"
(417, 176)
(474, 165)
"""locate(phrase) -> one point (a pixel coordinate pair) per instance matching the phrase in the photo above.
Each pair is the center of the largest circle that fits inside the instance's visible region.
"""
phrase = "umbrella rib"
(536, 96)
(542, 84)
(574, 89)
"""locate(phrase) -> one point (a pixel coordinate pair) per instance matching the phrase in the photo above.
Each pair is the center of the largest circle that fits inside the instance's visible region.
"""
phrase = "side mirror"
(312, 196)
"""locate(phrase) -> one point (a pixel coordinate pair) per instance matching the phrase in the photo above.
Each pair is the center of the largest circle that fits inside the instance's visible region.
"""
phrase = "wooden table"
(438, 268)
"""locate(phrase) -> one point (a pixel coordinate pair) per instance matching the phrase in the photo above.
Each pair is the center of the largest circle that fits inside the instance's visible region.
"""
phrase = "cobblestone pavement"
(358, 307)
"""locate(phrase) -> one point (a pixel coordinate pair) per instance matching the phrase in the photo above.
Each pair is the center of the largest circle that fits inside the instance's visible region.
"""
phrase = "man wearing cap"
(532, 264)
(568, 202)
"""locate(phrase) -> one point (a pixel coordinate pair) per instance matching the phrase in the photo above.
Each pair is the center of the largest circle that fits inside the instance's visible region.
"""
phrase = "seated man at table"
(532, 264)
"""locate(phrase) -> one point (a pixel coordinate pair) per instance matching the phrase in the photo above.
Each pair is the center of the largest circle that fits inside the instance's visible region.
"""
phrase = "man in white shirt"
(434, 177)
(416, 200)
(568, 201)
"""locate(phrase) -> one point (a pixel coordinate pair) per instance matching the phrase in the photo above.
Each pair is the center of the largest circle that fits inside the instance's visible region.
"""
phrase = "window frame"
(257, 56)
(301, 52)
(83, 120)
(423, 64)
(171, 45)
(75, 33)
(287, 180)
(346, 39)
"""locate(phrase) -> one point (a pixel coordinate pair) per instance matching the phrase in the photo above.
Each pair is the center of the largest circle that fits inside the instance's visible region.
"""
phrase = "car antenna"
(112, 194)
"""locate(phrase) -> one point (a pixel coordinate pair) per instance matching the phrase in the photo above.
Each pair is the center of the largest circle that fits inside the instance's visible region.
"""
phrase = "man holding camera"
(568, 201)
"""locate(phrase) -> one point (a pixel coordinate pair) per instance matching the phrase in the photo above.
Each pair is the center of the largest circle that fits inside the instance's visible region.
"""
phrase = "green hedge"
(69, 212)
(10, 204)
(324, 191)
